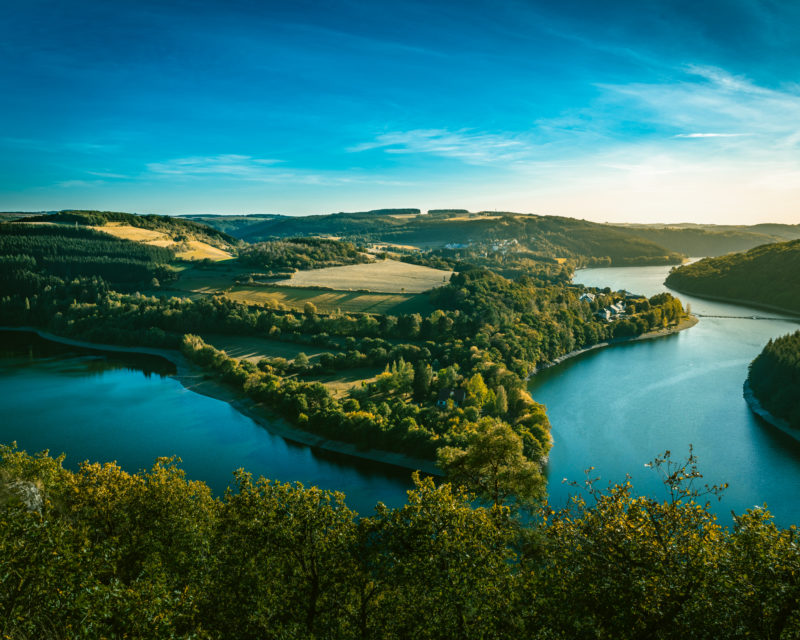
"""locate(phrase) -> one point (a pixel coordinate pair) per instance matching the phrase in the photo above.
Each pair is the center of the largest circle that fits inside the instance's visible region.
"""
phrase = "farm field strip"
(384, 276)
(332, 301)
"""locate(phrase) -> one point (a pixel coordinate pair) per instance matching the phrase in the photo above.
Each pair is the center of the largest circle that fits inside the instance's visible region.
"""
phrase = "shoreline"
(194, 378)
(758, 409)
(685, 323)
(793, 314)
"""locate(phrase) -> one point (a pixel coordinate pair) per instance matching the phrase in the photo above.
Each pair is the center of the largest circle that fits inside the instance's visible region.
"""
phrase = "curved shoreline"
(757, 408)
(195, 379)
(685, 323)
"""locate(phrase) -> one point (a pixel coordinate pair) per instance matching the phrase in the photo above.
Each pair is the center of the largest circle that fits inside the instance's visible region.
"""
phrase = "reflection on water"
(617, 408)
(126, 407)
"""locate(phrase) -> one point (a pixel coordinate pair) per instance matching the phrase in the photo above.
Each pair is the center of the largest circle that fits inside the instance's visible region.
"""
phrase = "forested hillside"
(710, 240)
(32, 255)
(767, 275)
(774, 378)
(300, 253)
(176, 227)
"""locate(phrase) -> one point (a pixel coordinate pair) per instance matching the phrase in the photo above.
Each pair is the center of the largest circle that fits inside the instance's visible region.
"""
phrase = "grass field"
(331, 301)
(385, 276)
(341, 382)
(221, 278)
(253, 349)
(191, 250)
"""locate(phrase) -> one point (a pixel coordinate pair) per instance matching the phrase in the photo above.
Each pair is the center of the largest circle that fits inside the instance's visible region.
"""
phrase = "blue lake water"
(102, 406)
(617, 408)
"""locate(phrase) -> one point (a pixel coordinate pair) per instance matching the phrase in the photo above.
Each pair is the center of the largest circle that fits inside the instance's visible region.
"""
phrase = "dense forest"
(102, 553)
(31, 254)
(774, 378)
(286, 256)
(766, 275)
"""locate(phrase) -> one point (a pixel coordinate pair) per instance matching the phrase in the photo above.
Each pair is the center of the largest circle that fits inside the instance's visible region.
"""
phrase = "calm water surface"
(617, 408)
(103, 406)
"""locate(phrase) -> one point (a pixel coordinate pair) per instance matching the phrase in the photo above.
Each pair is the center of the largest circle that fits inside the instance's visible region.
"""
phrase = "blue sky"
(621, 111)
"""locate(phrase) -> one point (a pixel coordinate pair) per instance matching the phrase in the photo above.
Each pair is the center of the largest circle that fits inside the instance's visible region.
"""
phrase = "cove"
(617, 408)
(102, 406)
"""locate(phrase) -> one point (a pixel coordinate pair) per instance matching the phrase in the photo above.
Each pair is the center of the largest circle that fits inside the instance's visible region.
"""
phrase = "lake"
(619, 407)
(614, 409)
(111, 406)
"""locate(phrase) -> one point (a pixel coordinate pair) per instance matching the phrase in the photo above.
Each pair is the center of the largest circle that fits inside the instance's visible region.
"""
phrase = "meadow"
(254, 349)
(386, 276)
(186, 250)
(331, 301)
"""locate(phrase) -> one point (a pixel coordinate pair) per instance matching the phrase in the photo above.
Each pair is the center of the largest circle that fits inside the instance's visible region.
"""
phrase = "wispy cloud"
(469, 146)
(229, 164)
(242, 167)
(710, 135)
(706, 99)
(71, 184)
(59, 146)
(109, 174)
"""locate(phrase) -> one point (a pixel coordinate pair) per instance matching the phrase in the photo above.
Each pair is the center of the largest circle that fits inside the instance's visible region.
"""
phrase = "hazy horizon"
(662, 112)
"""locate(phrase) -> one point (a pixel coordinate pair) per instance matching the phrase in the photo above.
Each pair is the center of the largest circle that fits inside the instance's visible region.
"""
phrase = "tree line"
(292, 254)
(100, 552)
(774, 378)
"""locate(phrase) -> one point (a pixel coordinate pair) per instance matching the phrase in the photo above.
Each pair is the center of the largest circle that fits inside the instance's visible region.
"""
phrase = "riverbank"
(197, 380)
(685, 323)
(792, 313)
(757, 408)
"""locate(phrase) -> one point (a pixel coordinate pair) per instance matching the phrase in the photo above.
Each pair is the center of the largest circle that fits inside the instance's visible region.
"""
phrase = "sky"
(618, 111)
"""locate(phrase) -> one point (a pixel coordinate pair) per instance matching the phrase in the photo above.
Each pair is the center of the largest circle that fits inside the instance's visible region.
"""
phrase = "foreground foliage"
(100, 552)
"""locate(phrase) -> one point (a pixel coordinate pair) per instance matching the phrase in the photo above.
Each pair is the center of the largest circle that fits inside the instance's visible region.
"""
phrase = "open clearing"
(253, 349)
(331, 301)
(221, 279)
(472, 218)
(385, 276)
(340, 383)
(188, 250)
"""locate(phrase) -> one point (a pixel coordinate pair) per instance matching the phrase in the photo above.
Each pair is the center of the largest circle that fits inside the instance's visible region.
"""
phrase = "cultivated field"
(189, 250)
(386, 276)
(331, 301)
(221, 279)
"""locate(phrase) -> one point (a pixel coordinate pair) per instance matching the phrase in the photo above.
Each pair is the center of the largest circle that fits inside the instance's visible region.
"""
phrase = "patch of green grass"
(254, 349)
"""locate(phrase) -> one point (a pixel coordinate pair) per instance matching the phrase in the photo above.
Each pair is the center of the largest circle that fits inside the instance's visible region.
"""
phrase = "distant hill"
(175, 227)
(768, 275)
(257, 227)
(548, 236)
(712, 240)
